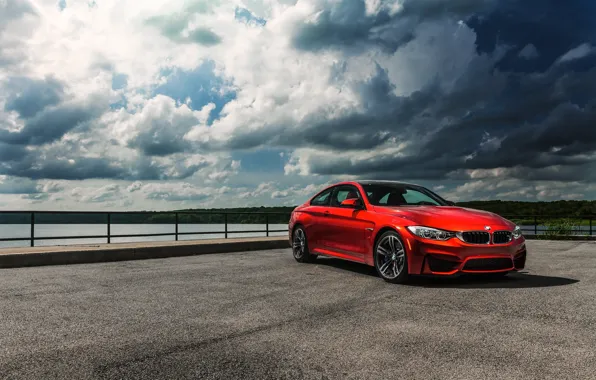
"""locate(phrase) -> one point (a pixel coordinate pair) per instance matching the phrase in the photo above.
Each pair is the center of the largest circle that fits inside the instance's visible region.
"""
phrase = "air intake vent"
(439, 265)
(489, 264)
(502, 237)
(476, 237)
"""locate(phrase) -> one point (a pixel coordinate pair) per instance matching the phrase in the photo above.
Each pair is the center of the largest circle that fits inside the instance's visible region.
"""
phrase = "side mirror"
(352, 203)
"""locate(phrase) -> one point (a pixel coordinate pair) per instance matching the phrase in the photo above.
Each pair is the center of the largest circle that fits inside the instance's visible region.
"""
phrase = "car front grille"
(502, 237)
(476, 237)
(498, 263)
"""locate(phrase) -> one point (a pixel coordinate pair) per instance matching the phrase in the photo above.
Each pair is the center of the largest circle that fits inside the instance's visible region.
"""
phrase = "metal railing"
(554, 224)
(531, 224)
(112, 218)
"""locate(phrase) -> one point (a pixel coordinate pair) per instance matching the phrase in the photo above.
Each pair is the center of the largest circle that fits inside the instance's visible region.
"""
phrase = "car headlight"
(431, 233)
(517, 232)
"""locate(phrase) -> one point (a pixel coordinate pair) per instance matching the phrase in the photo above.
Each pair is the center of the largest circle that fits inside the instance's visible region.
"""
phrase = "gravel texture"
(262, 315)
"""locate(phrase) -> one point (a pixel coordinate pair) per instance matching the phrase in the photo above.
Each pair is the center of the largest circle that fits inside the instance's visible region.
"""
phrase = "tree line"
(250, 215)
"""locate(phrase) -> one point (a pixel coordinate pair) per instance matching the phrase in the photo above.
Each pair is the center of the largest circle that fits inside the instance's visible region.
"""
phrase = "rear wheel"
(300, 246)
(391, 260)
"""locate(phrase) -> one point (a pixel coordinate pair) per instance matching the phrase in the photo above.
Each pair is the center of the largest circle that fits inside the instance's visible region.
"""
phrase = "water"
(57, 230)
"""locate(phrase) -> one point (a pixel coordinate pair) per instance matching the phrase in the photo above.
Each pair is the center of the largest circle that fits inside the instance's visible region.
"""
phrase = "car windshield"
(401, 195)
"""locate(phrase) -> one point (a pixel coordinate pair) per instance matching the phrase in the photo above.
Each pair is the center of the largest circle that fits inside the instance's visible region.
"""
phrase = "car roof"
(368, 182)
(385, 182)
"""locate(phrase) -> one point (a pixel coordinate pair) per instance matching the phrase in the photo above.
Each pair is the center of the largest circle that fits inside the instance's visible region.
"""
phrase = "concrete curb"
(40, 256)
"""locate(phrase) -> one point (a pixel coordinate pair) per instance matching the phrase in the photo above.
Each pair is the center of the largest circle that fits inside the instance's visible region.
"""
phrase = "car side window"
(414, 197)
(342, 193)
(322, 199)
(384, 199)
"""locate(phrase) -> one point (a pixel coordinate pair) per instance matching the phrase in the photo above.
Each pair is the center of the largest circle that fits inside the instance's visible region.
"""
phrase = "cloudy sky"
(160, 104)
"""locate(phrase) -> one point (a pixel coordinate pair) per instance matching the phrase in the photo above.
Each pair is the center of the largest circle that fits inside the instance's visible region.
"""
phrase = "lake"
(53, 230)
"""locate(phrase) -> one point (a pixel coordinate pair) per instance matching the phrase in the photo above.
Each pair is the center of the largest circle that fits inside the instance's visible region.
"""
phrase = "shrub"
(560, 227)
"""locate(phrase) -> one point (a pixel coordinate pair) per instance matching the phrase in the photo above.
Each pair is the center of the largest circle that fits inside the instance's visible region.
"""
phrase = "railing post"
(109, 228)
(267, 224)
(590, 226)
(32, 229)
(226, 224)
(535, 225)
(176, 226)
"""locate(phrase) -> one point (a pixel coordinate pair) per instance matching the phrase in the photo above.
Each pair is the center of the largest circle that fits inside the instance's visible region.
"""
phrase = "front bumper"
(456, 257)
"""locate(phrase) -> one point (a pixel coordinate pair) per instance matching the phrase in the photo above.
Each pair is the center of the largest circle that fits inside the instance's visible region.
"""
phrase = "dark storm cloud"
(11, 152)
(51, 124)
(346, 24)
(385, 114)
(80, 168)
(526, 109)
(163, 136)
(159, 143)
(45, 115)
(489, 119)
(146, 169)
(553, 27)
(29, 96)
(65, 161)
(68, 160)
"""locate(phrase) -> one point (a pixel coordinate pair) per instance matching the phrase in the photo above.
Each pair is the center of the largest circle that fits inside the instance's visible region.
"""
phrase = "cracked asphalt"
(261, 315)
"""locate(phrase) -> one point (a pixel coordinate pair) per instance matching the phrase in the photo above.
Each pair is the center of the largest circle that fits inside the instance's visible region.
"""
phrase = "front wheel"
(391, 260)
(300, 247)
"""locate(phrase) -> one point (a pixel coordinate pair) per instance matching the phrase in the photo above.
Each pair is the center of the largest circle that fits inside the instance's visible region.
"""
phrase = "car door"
(318, 210)
(349, 228)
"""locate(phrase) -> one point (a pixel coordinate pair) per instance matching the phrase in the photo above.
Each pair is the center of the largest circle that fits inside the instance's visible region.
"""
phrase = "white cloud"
(278, 94)
(528, 52)
(578, 52)
(102, 194)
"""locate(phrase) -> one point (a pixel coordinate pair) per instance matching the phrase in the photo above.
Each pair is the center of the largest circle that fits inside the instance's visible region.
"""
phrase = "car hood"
(448, 217)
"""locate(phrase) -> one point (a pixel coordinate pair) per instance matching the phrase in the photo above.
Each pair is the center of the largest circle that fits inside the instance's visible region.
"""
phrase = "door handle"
(326, 213)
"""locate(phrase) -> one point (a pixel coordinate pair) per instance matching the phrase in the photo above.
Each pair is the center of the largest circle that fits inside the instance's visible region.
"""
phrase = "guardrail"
(176, 218)
(554, 224)
(530, 224)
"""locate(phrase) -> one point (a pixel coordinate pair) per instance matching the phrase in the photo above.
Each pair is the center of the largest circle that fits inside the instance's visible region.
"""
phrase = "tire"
(390, 254)
(300, 249)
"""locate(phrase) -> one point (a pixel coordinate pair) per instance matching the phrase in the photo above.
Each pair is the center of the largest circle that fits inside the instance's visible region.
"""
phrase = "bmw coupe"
(402, 230)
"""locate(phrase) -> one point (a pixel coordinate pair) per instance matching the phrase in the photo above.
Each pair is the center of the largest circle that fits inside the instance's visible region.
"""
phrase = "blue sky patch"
(200, 85)
(119, 81)
(263, 160)
(246, 16)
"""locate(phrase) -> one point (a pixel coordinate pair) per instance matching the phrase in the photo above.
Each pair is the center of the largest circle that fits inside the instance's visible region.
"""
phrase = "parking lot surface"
(262, 315)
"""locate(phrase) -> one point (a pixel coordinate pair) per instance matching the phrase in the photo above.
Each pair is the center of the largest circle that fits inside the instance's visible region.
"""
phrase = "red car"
(402, 230)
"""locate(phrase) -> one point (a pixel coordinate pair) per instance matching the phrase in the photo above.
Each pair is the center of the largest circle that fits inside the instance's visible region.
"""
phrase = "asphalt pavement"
(261, 315)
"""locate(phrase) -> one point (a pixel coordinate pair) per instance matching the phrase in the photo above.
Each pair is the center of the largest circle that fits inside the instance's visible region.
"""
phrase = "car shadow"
(512, 280)
(521, 279)
(347, 265)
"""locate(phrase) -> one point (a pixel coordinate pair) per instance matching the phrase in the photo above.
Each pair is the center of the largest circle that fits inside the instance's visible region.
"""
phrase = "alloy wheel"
(299, 243)
(391, 257)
